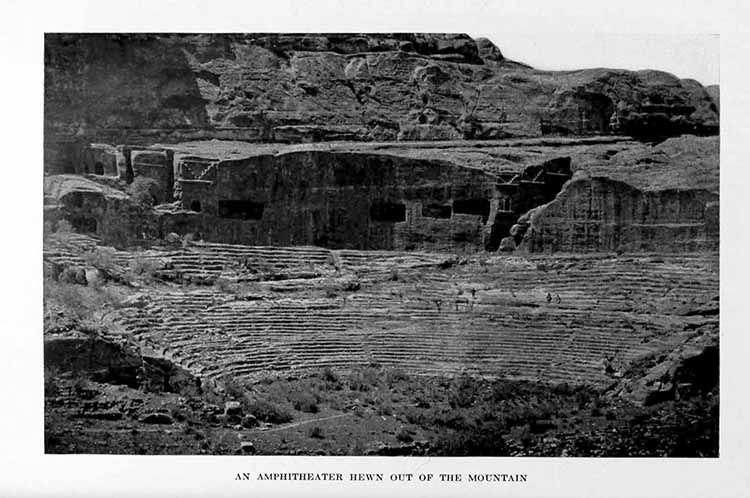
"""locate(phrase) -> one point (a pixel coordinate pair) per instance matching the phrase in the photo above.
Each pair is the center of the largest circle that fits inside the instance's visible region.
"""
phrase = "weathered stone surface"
(157, 418)
(692, 368)
(140, 89)
(488, 51)
(599, 214)
(508, 244)
(432, 182)
(686, 162)
(156, 165)
(355, 200)
(94, 208)
(660, 198)
(101, 159)
(458, 195)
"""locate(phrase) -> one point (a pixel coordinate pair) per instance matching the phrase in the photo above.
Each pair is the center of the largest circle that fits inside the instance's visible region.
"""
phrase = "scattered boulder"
(508, 244)
(247, 448)
(173, 239)
(414, 448)
(73, 275)
(249, 421)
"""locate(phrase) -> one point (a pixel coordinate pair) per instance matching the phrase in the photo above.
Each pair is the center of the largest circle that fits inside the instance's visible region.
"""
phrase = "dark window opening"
(98, 168)
(195, 206)
(388, 211)
(243, 210)
(436, 211)
(479, 207)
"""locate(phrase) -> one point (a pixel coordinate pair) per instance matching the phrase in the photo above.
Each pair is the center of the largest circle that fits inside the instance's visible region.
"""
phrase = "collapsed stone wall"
(601, 214)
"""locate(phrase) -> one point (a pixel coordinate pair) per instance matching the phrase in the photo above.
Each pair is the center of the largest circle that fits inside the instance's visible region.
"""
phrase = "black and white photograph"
(423, 249)
(375, 244)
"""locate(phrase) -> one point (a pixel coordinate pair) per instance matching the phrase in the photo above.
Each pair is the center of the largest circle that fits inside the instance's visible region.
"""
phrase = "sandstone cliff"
(465, 196)
(385, 107)
(290, 88)
(664, 197)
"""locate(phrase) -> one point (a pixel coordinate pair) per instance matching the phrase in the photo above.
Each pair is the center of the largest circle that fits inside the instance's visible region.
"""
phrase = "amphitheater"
(572, 318)
(318, 202)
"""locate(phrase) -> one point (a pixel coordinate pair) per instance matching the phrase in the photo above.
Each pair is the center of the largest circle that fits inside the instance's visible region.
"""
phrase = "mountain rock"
(147, 88)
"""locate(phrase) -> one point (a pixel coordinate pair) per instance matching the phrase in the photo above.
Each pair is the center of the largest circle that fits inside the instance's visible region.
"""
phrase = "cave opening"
(195, 206)
(596, 113)
(388, 211)
(241, 209)
(98, 168)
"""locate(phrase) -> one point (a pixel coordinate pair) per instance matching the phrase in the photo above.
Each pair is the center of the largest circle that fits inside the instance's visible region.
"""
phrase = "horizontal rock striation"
(600, 214)
(298, 308)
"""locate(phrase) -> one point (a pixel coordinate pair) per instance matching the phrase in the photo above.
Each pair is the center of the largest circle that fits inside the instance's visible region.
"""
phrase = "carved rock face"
(600, 214)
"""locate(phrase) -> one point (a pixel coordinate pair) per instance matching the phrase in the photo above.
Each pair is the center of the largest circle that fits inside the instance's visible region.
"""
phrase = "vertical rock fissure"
(533, 187)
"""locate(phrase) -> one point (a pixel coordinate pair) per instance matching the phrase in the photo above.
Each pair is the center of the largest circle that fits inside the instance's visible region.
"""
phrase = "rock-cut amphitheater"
(412, 200)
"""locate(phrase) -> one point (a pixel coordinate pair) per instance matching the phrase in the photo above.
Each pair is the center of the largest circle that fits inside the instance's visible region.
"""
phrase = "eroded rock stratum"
(306, 88)
(224, 208)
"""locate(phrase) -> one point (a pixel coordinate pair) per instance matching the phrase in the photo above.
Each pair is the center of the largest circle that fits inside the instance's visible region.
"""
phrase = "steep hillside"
(291, 88)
